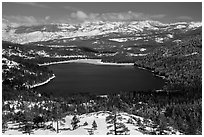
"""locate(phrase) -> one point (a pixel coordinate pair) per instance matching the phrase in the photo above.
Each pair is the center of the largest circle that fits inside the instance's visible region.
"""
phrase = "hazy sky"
(61, 12)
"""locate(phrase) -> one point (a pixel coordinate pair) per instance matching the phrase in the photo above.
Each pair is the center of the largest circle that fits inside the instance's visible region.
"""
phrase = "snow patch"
(180, 26)
(119, 39)
(159, 40)
(142, 49)
(169, 35)
(132, 54)
(191, 54)
(194, 25)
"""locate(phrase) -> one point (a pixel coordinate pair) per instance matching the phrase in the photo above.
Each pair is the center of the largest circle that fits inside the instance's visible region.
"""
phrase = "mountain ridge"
(27, 34)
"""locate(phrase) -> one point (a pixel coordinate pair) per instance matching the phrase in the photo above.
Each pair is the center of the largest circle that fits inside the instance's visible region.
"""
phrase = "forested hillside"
(181, 99)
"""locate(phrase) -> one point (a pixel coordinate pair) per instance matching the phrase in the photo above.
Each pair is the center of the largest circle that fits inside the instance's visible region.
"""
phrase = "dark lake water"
(80, 77)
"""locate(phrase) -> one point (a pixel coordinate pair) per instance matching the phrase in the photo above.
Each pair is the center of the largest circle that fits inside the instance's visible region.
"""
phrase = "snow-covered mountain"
(27, 34)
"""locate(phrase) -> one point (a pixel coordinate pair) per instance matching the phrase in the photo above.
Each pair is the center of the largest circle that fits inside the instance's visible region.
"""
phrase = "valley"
(172, 51)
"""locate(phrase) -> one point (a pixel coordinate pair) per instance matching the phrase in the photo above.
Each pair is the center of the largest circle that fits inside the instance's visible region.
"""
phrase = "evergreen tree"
(28, 121)
(85, 124)
(4, 123)
(75, 122)
(38, 121)
(118, 127)
(94, 125)
(57, 114)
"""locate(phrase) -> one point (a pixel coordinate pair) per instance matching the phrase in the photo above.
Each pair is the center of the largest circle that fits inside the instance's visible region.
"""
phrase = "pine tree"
(28, 121)
(28, 128)
(162, 122)
(75, 122)
(4, 123)
(139, 122)
(94, 125)
(114, 119)
(119, 127)
(85, 124)
(57, 114)
(38, 121)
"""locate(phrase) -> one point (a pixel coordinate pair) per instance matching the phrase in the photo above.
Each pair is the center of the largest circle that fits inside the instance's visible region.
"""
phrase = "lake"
(98, 79)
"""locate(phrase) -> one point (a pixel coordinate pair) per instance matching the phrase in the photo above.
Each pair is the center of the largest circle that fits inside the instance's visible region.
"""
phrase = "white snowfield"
(130, 122)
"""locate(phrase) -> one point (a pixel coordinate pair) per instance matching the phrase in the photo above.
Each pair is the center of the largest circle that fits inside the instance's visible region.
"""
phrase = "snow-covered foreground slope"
(135, 125)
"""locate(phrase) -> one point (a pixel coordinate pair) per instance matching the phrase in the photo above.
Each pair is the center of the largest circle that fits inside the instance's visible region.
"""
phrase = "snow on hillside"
(193, 25)
(9, 31)
(136, 125)
(159, 40)
(8, 64)
(142, 49)
(180, 27)
(179, 23)
(119, 39)
(132, 54)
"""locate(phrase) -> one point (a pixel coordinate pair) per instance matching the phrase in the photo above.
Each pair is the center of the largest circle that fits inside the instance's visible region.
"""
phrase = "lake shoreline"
(43, 83)
(91, 61)
(155, 73)
(88, 61)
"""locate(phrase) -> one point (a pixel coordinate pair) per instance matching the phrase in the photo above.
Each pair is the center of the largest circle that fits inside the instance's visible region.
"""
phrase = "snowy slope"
(130, 121)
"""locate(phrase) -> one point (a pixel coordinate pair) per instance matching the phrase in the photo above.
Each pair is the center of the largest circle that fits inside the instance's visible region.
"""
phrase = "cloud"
(121, 16)
(21, 19)
(130, 16)
(34, 4)
(71, 8)
(158, 16)
(27, 20)
(47, 17)
(184, 18)
(80, 15)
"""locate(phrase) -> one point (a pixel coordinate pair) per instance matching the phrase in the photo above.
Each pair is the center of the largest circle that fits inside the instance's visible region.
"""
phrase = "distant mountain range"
(27, 34)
